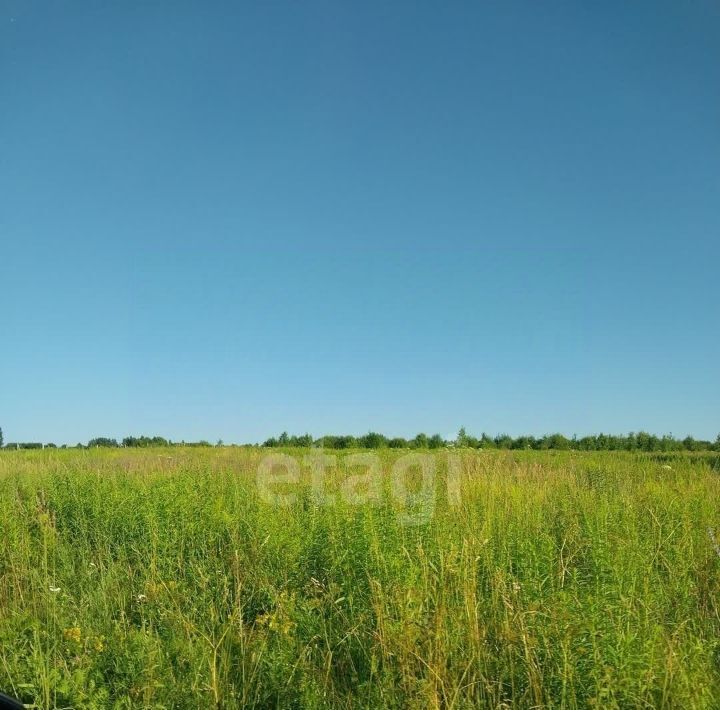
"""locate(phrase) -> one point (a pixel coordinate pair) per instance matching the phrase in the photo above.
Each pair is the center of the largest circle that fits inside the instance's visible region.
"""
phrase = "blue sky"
(227, 220)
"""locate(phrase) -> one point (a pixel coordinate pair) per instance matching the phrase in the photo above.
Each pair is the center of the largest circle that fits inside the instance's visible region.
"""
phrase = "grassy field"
(167, 578)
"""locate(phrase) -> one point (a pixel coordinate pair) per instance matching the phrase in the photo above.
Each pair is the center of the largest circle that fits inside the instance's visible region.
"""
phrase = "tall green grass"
(163, 579)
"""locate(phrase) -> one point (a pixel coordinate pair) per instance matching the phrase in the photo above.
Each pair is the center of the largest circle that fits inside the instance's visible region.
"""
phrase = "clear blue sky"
(225, 220)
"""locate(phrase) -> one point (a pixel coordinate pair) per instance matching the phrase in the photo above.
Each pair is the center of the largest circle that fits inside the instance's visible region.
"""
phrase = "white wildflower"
(714, 541)
(54, 590)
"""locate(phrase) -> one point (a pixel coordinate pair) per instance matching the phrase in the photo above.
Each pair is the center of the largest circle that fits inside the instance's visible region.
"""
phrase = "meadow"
(168, 578)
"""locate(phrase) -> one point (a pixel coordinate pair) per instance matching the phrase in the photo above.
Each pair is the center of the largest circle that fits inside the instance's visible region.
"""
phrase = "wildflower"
(667, 467)
(54, 590)
(73, 634)
(98, 644)
(281, 624)
(141, 598)
(713, 540)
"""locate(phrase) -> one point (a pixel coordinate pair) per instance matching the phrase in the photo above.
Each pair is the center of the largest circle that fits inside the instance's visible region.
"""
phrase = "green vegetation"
(161, 578)
(641, 441)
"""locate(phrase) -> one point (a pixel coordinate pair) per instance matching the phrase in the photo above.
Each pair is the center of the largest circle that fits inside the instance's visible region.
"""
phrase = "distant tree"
(373, 440)
(587, 443)
(398, 443)
(524, 442)
(436, 441)
(647, 442)
(464, 440)
(346, 441)
(503, 441)
(555, 441)
(102, 442)
(1, 438)
(420, 441)
(144, 441)
(689, 444)
(486, 441)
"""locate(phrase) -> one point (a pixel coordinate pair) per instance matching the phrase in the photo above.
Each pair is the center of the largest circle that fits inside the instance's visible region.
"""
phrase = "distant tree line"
(106, 442)
(141, 442)
(641, 441)
(373, 440)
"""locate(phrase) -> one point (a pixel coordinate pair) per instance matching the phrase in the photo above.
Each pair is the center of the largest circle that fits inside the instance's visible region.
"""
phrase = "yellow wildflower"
(73, 634)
